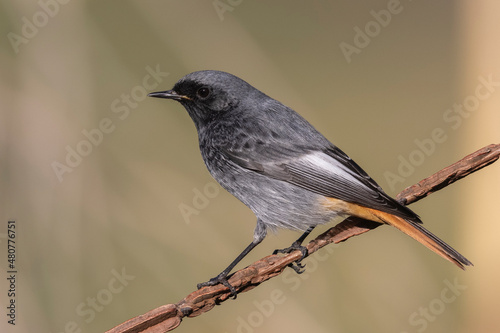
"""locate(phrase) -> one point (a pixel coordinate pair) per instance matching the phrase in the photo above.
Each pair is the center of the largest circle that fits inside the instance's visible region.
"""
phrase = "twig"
(167, 317)
(467, 165)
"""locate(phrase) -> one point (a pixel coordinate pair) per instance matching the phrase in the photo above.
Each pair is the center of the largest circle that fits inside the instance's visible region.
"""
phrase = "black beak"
(169, 94)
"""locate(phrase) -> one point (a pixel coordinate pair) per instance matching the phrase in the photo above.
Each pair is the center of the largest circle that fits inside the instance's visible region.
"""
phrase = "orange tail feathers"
(412, 229)
(424, 236)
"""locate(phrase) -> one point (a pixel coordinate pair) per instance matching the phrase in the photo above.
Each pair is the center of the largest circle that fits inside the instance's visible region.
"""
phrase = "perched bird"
(281, 167)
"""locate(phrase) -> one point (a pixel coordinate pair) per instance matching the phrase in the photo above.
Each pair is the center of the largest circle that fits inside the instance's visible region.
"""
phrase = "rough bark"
(167, 317)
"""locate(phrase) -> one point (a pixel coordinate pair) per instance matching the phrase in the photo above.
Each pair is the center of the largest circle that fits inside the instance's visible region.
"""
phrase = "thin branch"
(168, 317)
(467, 165)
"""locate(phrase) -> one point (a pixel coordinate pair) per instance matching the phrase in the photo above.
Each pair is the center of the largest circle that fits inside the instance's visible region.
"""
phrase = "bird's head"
(205, 94)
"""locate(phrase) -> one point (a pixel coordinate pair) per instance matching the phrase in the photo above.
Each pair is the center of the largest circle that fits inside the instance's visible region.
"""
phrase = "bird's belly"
(277, 203)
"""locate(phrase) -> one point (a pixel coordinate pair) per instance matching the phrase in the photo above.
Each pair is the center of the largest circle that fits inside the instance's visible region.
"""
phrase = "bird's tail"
(424, 236)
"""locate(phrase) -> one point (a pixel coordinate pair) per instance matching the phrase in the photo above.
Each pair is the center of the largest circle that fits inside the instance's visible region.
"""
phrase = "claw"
(296, 266)
(293, 247)
(300, 265)
(219, 279)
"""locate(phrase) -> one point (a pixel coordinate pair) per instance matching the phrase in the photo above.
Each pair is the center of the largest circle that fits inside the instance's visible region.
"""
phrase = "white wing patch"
(329, 165)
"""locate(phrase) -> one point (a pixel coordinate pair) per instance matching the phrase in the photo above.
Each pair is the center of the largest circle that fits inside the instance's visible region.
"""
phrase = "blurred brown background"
(72, 67)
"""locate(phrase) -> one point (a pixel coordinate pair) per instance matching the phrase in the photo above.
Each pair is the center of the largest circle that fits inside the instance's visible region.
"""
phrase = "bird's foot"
(219, 279)
(297, 266)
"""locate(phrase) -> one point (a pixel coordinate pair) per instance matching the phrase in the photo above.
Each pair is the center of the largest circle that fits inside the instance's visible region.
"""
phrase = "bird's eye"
(203, 92)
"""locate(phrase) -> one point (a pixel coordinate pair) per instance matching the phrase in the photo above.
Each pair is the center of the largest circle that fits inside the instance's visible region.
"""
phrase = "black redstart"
(281, 167)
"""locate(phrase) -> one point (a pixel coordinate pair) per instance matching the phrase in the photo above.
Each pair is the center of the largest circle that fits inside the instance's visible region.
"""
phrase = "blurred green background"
(71, 67)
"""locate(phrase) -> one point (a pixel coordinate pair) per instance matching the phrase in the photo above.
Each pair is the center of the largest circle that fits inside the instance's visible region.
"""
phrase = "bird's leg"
(259, 235)
(297, 245)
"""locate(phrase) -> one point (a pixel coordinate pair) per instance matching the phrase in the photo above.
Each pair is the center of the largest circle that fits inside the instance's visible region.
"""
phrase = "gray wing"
(328, 171)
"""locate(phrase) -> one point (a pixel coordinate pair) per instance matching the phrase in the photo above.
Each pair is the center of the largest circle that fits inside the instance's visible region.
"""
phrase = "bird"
(275, 162)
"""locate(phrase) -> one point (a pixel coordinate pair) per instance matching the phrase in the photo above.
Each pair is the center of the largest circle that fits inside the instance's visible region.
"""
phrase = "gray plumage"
(258, 149)
(274, 161)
